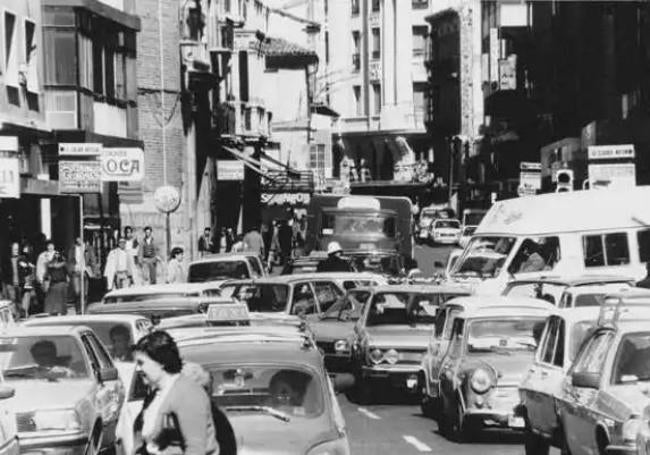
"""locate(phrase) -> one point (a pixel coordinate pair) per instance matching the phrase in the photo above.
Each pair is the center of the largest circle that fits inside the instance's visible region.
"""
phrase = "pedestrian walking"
(645, 283)
(41, 268)
(133, 247)
(223, 242)
(267, 237)
(175, 269)
(27, 270)
(56, 287)
(176, 415)
(334, 261)
(230, 239)
(119, 267)
(206, 244)
(81, 261)
(238, 246)
(11, 277)
(285, 240)
(254, 242)
(148, 257)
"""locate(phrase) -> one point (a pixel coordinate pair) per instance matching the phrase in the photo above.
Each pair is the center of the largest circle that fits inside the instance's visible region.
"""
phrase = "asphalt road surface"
(398, 427)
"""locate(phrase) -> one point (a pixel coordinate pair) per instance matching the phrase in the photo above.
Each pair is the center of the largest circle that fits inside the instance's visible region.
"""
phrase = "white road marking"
(415, 442)
(369, 414)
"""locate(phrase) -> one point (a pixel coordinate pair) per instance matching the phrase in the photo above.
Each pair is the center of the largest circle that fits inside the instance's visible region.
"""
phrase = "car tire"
(95, 442)
(460, 431)
(427, 407)
(535, 444)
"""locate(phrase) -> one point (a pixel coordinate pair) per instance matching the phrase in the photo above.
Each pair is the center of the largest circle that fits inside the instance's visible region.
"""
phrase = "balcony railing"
(356, 61)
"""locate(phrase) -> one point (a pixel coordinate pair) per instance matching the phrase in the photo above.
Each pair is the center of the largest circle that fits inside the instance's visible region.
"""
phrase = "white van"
(577, 233)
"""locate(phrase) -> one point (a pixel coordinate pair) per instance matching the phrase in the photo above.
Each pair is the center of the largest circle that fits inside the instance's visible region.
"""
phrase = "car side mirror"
(108, 374)
(586, 380)
(6, 392)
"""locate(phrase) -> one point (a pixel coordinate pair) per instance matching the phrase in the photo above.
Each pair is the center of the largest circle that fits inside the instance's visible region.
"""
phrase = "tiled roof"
(282, 53)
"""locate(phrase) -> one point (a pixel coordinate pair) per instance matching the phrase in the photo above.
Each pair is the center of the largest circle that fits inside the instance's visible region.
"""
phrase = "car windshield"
(473, 219)
(351, 305)
(359, 224)
(504, 335)
(116, 336)
(447, 224)
(260, 297)
(484, 257)
(401, 308)
(290, 391)
(149, 297)
(551, 292)
(218, 270)
(632, 359)
(469, 230)
(387, 265)
(50, 358)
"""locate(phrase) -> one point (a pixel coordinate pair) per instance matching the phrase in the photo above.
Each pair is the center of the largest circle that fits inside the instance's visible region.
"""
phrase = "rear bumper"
(398, 377)
(53, 445)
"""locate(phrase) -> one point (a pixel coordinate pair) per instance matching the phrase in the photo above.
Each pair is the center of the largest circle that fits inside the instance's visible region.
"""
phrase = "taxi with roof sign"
(440, 338)
(67, 391)
(564, 333)
(277, 397)
(392, 333)
(157, 301)
(603, 395)
(300, 294)
(489, 349)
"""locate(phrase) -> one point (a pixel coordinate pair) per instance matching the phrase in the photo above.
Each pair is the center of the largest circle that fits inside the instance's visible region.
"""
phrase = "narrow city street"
(399, 428)
(427, 255)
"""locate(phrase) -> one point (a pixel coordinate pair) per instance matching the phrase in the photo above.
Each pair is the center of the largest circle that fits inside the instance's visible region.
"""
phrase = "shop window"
(606, 249)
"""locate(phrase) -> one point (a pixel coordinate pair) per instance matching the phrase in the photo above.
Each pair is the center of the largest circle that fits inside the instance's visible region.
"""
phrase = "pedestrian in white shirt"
(175, 268)
(119, 267)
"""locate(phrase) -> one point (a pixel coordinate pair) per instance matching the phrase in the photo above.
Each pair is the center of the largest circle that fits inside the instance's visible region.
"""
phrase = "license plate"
(411, 383)
(515, 422)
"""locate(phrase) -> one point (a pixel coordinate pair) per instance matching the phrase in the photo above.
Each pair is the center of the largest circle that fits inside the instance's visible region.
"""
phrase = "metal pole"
(451, 167)
(82, 277)
(169, 233)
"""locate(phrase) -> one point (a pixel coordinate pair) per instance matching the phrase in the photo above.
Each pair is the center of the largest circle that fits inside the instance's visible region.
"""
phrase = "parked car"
(8, 433)
(440, 338)
(118, 332)
(445, 231)
(489, 351)
(155, 292)
(311, 293)
(604, 393)
(67, 391)
(391, 336)
(590, 295)
(563, 335)
(225, 266)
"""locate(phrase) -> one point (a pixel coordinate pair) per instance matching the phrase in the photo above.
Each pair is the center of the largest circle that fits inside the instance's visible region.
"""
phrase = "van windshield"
(484, 257)
(359, 224)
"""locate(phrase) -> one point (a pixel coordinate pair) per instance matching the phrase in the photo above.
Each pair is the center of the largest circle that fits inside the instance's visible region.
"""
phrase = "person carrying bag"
(176, 417)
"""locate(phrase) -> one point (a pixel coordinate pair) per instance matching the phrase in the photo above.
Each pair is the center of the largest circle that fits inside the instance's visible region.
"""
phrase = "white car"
(228, 266)
(445, 231)
(563, 334)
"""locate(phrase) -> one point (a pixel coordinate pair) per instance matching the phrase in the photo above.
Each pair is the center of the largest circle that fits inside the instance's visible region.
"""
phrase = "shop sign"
(80, 149)
(508, 73)
(228, 170)
(9, 177)
(285, 198)
(617, 174)
(122, 164)
(76, 176)
(611, 152)
(167, 198)
(530, 178)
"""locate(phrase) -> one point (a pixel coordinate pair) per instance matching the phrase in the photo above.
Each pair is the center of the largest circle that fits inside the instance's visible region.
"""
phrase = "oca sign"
(122, 165)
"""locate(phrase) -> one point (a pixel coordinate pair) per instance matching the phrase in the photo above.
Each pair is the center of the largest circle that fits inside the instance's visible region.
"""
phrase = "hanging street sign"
(122, 164)
(81, 149)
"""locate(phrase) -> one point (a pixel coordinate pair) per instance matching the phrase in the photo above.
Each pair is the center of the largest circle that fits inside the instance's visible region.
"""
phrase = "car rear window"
(218, 270)
(149, 297)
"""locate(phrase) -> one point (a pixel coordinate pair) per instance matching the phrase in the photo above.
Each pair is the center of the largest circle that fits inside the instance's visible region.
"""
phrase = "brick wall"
(149, 113)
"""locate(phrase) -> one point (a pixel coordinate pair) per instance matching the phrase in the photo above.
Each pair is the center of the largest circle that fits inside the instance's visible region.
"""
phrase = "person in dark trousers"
(645, 283)
(285, 239)
(334, 261)
(206, 244)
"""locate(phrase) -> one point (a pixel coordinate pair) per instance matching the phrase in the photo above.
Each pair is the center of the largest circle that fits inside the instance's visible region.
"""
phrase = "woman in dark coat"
(56, 298)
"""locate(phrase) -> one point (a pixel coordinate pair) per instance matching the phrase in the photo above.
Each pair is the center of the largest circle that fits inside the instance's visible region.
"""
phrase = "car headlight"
(341, 346)
(56, 420)
(391, 356)
(336, 447)
(630, 429)
(480, 381)
(375, 355)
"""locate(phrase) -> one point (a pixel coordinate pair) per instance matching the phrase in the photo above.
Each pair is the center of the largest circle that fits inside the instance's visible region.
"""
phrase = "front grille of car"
(410, 356)
(25, 422)
(327, 347)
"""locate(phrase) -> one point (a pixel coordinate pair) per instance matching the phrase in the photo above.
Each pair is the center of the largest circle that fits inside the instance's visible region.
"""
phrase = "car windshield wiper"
(263, 409)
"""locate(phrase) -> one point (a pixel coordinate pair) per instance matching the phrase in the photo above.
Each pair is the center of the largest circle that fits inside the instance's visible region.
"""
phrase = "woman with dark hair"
(56, 277)
(176, 417)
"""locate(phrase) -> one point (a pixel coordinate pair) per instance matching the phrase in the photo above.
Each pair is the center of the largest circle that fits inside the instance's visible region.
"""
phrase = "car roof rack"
(617, 304)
